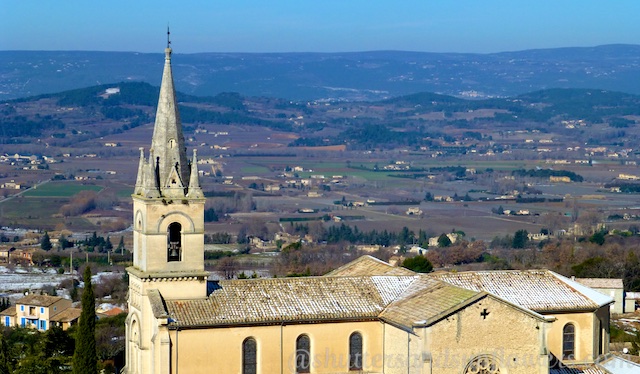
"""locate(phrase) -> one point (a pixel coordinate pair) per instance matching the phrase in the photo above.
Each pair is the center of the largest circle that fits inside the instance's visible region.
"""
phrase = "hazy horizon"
(323, 52)
(333, 26)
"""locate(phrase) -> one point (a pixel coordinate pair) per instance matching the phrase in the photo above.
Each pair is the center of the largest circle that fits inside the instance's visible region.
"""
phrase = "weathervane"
(168, 37)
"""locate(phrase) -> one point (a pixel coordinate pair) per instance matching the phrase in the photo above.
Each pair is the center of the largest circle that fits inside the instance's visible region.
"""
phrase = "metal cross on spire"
(168, 37)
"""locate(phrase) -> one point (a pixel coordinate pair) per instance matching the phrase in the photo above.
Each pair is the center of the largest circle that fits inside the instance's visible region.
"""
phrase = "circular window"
(482, 365)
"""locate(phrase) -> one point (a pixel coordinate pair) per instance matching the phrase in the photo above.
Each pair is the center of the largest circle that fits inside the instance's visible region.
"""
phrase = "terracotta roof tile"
(426, 299)
(10, 311)
(601, 282)
(67, 315)
(290, 299)
(368, 265)
(405, 300)
(538, 290)
(39, 300)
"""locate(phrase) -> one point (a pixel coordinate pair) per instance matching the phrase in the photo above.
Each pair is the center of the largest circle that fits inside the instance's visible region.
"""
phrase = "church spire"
(168, 172)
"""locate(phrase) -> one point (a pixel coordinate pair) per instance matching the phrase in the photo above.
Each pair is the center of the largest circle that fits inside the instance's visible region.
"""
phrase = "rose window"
(482, 365)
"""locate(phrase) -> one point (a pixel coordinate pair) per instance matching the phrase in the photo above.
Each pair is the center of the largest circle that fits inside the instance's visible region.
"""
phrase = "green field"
(42, 214)
(60, 189)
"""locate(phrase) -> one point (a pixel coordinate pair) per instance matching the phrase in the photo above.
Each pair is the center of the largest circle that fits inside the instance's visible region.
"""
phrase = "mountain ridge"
(368, 76)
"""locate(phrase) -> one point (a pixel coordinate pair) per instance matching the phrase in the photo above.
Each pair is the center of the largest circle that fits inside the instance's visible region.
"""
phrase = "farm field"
(60, 189)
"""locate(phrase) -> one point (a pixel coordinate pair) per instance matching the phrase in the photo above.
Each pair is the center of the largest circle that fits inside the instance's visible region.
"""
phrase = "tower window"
(174, 242)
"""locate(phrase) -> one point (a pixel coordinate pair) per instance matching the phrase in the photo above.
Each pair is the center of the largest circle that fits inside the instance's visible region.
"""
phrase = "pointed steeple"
(167, 173)
(168, 142)
(139, 188)
(194, 184)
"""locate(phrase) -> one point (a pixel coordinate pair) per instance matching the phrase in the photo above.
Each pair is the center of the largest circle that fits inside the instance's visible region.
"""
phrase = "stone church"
(365, 317)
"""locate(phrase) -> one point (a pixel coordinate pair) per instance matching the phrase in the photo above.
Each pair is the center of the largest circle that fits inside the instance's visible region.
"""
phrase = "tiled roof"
(425, 300)
(39, 300)
(67, 315)
(538, 290)
(10, 311)
(114, 312)
(289, 300)
(368, 265)
(588, 369)
(364, 289)
(619, 365)
(601, 282)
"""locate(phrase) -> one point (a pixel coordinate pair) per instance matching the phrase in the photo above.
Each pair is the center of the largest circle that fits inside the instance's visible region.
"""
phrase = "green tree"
(121, 245)
(57, 350)
(598, 237)
(45, 242)
(4, 356)
(63, 242)
(85, 358)
(419, 264)
(444, 241)
(597, 267)
(520, 239)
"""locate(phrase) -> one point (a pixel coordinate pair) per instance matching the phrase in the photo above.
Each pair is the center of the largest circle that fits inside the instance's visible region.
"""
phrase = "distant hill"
(337, 76)
(82, 117)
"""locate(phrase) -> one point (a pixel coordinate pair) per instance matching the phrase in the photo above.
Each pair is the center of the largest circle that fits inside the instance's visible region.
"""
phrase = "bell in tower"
(174, 239)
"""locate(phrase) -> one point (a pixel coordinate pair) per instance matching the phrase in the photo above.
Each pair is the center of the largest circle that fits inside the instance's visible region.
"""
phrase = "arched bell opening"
(174, 242)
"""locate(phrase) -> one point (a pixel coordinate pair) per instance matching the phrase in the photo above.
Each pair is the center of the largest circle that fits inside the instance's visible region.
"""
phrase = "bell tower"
(168, 232)
(168, 206)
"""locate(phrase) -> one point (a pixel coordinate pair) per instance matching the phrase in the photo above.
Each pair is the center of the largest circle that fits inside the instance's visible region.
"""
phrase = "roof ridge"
(497, 271)
(315, 277)
(585, 291)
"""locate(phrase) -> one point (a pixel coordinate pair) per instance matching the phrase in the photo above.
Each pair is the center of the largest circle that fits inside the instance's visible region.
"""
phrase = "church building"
(365, 317)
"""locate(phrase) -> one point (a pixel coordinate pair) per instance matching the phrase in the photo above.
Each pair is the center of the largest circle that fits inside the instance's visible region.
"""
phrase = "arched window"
(249, 356)
(568, 342)
(355, 351)
(134, 336)
(174, 242)
(303, 354)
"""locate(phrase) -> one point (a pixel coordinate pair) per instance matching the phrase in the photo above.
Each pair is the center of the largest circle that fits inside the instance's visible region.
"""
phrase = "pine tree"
(85, 357)
(45, 242)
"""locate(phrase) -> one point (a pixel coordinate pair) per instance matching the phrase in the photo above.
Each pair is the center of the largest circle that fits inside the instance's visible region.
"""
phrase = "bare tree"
(228, 267)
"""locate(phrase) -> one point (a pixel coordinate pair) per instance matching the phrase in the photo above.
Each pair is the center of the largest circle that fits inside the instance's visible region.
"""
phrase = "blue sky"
(316, 26)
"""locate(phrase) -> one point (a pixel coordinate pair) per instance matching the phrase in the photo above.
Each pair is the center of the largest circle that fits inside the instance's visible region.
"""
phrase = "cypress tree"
(85, 357)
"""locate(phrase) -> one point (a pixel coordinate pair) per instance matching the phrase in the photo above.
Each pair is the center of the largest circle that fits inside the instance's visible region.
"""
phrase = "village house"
(433, 241)
(40, 312)
(613, 288)
(414, 211)
(11, 185)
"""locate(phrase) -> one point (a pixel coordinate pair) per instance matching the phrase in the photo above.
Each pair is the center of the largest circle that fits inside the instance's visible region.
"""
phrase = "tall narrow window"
(568, 342)
(174, 242)
(303, 354)
(355, 351)
(249, 356)
(600, 337)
